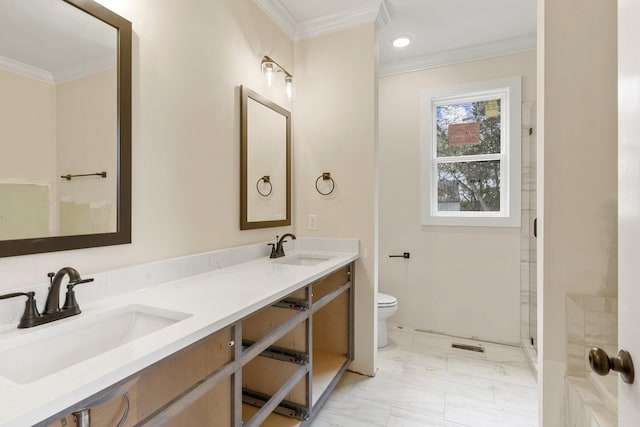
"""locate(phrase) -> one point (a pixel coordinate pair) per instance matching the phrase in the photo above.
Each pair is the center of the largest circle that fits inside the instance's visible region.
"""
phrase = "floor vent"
(476, 348)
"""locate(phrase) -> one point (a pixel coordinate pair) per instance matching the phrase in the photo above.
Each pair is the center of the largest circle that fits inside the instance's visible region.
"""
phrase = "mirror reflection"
(266, 159)
(58, 118)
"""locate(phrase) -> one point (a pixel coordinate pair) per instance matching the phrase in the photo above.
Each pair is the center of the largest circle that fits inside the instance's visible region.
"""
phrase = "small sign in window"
(464, 134)
(492, 109)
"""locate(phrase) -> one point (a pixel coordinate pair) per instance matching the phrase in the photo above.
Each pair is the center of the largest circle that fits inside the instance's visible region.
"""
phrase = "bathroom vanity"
(261, 342)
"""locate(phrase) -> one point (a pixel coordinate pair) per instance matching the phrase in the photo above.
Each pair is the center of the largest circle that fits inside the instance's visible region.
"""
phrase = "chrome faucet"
(52, 311)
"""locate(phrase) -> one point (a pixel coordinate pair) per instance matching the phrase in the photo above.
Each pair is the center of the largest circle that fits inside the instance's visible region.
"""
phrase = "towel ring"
(326, 176)
(267, 180)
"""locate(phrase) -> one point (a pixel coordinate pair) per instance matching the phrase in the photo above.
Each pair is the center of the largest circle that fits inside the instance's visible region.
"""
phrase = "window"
(471, 154)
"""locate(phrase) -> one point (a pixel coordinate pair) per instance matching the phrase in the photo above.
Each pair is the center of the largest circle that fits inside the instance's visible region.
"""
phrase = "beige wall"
(28, 160)
(334, 125)
(24, 211)
(27, 126)
(463, 281)
(188, 60)
(577, 171)
(86, 112)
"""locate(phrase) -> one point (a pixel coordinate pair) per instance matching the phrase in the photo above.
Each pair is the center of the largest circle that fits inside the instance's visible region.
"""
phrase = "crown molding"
(85, 70)
(26, 70)
(279, 15)
(456, 56)
(64, 76)
(383, 17)
(334, 22)
(373, 11)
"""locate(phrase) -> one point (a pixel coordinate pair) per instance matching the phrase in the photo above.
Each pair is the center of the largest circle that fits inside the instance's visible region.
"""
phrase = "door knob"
(601, 363)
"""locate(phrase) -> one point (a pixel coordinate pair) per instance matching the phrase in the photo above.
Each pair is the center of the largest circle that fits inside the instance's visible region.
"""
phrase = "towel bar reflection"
(326, 176)
(68, 177)
(267, 180)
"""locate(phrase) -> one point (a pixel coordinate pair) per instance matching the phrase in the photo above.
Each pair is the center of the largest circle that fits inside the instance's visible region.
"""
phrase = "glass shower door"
(533, 242)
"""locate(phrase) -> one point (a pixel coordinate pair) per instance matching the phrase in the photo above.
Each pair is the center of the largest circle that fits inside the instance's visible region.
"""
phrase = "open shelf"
(325, 367)
(331, 335)
(331, 326)
(268, 376)
(277, 387)
(268, 320)
(276, 341)
(273, 420)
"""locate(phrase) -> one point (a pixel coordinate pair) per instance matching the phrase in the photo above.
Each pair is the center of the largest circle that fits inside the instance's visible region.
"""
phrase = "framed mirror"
(265, 169)
(65, 126)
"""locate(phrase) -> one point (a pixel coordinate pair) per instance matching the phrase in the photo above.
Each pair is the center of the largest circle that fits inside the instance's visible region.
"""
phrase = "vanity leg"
(82, 418)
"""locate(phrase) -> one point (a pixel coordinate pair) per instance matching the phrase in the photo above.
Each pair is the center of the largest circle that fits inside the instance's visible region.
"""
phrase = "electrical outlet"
(313, 222)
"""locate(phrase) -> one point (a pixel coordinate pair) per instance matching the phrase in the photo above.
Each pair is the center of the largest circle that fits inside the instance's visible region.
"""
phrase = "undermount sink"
(308, 260)
(39, 353)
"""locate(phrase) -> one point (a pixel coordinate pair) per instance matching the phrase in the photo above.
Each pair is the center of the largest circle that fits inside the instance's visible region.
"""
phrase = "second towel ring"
(326, 176)
(267, 180)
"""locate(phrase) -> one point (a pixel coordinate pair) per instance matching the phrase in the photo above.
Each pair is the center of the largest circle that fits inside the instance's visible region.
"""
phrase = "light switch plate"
(313, 222)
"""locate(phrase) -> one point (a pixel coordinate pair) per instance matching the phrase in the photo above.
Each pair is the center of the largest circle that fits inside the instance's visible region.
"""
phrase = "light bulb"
(267, 67)
(289, 86)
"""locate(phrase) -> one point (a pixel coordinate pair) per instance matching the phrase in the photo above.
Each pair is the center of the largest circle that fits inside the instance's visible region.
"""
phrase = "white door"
(629, 204)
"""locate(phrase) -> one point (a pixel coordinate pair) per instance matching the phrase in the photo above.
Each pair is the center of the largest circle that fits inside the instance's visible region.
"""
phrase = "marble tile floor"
(422, 381)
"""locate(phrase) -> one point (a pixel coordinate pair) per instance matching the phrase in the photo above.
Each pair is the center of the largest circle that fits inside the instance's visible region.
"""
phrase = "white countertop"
(213, 301)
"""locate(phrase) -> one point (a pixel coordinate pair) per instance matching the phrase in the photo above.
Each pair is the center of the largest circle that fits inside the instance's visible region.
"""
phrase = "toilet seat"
(385, 300)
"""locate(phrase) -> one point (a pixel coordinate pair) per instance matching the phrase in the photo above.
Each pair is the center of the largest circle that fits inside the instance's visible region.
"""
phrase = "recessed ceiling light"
(401, 41)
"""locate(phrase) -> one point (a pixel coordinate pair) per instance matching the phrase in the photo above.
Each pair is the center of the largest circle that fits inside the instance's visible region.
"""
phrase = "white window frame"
(508, 90)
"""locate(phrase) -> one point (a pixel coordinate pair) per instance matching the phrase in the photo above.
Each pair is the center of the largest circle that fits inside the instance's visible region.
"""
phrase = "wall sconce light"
(288, 83)
(270, 67)
(267, 69)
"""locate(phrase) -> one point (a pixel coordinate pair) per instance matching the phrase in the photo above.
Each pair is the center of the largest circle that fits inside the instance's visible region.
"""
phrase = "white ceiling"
(442, 32)
(52, 41)
(307, 10)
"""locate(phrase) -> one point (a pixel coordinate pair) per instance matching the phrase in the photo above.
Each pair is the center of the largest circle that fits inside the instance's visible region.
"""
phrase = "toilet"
(387, 305)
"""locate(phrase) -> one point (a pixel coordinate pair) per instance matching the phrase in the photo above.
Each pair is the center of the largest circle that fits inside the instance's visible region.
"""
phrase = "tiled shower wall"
(592, 321)
(528, 279)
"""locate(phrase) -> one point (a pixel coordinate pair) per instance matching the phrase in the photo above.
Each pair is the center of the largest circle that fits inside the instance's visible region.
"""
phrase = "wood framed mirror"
(65, 126)
(265, 162)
